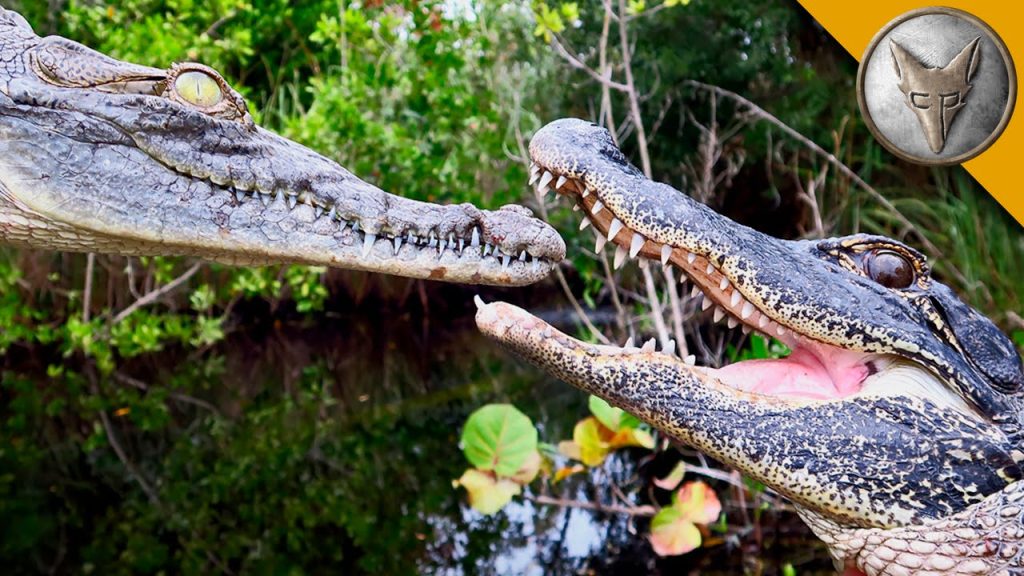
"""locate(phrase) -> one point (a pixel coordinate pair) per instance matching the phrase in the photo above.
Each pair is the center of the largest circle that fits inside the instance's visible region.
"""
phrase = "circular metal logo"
(936, 86)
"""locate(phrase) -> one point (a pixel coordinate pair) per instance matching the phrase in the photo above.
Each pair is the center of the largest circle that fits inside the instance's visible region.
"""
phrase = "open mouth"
(813, 371)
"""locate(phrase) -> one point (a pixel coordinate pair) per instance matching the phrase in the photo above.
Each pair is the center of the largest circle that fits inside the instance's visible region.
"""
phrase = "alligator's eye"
(890, 269)
(198, 88)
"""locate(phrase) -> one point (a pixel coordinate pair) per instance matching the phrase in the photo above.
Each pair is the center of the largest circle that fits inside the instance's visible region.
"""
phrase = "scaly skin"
(100, 155)
(896, 427)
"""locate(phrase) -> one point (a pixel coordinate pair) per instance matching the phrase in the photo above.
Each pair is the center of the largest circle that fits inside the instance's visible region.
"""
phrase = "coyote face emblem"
(936, 94)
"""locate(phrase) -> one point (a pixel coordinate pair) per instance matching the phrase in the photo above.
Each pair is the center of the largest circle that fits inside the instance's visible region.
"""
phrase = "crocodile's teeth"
(474, 241)
(596, 207)
(534, 168)
(398, 244)
(545, 179)
(648, 346)
(560, 182)
(719, 313)
(586, 192)
(747, 310)
(279, 202)
(629, 343)
(266, 198)
(620, 256)
(670, 348)
(575, 207)
(636, 244)
(710, 269)
(614, 229)
(732, 322)
(368, 244)
(691, 258)
(599, 241)
(584, 223)
(666, 253)
(317, 210)
(355, 225)
(239, 195)
(745, 329)
(706, 303)
(505, 259)
(462, 244)
(695, 291)
(762, 321)
(522, 256)
(780, 331)
(723, 284)
(290, 200)
(690, 360)
(642, 263)
(534, 174)
(487, 249)
(734, 301)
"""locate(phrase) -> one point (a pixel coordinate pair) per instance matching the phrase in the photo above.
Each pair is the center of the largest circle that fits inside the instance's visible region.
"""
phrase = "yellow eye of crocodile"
(890, 269)
(198, 88)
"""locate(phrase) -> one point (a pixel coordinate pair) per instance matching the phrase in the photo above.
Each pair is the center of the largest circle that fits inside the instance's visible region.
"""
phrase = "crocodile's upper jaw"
(896, 405)
(104, 155)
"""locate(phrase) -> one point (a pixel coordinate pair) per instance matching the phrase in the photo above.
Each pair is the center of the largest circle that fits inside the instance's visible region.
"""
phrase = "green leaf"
(672, 533)
(609, 415)
(672, 479)
(499, 437)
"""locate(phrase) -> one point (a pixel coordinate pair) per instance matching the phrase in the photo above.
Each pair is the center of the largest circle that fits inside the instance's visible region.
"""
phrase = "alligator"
(894, 425)
(101, 155)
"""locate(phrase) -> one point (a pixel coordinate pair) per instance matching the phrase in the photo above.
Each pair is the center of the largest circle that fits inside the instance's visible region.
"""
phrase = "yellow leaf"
(672, 479)
(698, 503)
(592, 438)
(487, 494)
(528, 471)
(565, 472)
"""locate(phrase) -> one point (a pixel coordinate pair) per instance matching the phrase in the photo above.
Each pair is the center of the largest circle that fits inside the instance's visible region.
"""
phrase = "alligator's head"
(107, 156)
(898, 403)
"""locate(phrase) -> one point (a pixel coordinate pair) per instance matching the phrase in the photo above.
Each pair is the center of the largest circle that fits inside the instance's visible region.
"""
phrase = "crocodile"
(894, 425)
(101, 155)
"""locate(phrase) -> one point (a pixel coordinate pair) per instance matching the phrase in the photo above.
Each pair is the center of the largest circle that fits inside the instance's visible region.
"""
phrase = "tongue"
(819, 374)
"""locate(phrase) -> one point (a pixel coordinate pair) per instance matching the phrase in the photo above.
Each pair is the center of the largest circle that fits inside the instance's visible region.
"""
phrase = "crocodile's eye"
(198, 88)
(890, 269)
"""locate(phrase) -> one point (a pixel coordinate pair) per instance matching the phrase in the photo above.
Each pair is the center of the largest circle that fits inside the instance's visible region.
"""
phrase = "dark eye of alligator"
(890, 269)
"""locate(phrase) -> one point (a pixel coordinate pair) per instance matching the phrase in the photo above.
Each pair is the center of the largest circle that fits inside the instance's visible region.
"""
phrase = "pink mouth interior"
(813, 371)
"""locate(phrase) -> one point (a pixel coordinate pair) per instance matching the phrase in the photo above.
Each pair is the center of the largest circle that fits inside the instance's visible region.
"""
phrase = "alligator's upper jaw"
(102, 155)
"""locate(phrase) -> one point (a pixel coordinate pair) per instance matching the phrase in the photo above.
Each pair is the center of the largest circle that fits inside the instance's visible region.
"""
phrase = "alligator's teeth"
(368, 244)
(691, 258)
(734, 301)
(636, 244)
(710, 269)
(670, 348)
(291, 201)
(696, 291)
(719, 313)
(398, 244)
(584, 223)
(596, 208)
(747, 310)
(723, 284)
(614, 229)
(666, 253)
(629, 343)
(599, 241)
(706, 303)
(474, 241)
(690, 360)
(620, 256)
(545, 179)
(732, 322)
(560, 182)
(648, 346)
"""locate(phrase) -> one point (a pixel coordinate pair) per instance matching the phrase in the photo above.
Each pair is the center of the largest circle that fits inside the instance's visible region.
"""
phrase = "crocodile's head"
(107, 156)
(899, 403)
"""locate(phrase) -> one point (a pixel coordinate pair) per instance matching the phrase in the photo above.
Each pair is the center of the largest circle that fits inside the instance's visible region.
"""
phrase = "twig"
(646, 511)
(121, 454)
(156, 294)
(90, 262)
